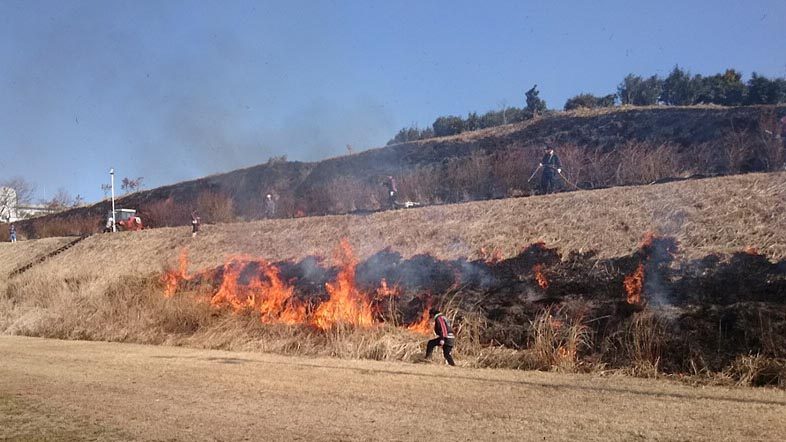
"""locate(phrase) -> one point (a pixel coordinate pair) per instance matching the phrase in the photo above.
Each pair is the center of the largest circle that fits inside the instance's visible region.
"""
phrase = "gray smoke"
(94, 85)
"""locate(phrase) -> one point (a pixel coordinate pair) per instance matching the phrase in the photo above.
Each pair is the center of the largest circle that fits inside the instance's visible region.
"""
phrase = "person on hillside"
(390, 184)
(196, 221)
(444, 339)
(551, 168)
(12, 233)
(270, 206)
(110, 224)
(783, 131)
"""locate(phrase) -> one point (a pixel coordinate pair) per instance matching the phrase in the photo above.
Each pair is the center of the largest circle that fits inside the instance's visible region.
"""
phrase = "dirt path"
(90, 390)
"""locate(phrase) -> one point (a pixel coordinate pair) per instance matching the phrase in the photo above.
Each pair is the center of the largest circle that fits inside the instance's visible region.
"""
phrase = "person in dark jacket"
(444, 339)
(551, 168)
(390, 183)
(196, 222)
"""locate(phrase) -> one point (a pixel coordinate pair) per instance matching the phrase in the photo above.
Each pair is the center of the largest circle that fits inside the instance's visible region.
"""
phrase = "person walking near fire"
(551, 168)
(444, 339)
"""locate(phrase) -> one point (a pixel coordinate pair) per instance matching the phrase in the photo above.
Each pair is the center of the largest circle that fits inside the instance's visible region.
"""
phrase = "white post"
(112, 179)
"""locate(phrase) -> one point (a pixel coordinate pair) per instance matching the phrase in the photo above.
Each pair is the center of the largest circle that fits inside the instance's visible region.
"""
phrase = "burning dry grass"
(134, 309)
(108, 287)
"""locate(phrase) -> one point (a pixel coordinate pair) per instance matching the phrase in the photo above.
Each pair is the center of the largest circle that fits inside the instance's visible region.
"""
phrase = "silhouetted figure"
(551, 168)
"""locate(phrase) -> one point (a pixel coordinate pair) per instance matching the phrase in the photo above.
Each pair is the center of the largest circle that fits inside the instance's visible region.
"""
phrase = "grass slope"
(105, 287)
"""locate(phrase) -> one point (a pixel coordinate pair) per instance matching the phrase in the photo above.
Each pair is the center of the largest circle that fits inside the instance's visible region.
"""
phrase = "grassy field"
(60, 390)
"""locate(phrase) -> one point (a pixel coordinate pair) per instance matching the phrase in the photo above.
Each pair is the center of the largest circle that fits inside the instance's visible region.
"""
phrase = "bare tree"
(107, 189)
(130, 185)
(60, 201)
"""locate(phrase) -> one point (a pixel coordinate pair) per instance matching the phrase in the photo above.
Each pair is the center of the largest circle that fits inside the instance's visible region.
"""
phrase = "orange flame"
(491, 257)
(386, 292)
(423, 326)
(249, 284)
(172, 278)
(634, 284)
(540, 278)
(566, 353)
(265, 293)
(647, 239)
(347, 305)
(751, 250)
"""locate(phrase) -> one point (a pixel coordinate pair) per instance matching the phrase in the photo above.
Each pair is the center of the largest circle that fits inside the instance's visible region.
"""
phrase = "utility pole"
(112, 182)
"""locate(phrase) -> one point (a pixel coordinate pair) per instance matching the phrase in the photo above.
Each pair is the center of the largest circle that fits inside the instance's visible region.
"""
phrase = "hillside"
(717, 255)
(706, 216)
(599, 149)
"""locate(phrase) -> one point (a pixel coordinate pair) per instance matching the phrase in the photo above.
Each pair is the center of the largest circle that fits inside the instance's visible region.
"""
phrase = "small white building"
(8, 203)
(11, 211)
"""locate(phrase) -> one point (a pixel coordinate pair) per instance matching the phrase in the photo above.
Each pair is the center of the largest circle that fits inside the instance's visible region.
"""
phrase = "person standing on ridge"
(12, 233)
(551, 168)
(445, 337)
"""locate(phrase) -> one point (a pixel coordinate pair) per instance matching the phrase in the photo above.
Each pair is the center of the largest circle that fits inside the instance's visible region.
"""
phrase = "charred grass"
(723, 321)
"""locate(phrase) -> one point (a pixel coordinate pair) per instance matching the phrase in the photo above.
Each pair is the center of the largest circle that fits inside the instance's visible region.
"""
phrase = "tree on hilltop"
(680, 89)
(726, 89)
(639, 91)
(450, 125)
(762, 90)
(590, 101)
(130, 185)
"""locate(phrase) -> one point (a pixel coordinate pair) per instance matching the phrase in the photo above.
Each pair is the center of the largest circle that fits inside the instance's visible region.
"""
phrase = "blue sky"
(174, 90)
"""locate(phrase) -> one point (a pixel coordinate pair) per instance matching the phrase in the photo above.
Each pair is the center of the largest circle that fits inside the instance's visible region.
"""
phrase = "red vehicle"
(126, 220)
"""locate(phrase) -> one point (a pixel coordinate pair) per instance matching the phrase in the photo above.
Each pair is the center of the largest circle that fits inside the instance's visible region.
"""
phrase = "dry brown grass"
(165, 213)
(757, 371)
(641, 341)
(712, 215)
(215, 207)
(74, 225)
(66, 390)
(557, 340)
(106, 287)
(15, 255)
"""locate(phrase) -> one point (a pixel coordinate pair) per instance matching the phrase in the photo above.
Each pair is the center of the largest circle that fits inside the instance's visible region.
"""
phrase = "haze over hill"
(598, 148)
